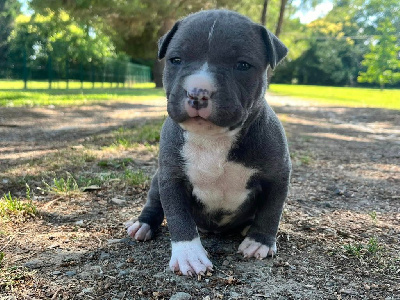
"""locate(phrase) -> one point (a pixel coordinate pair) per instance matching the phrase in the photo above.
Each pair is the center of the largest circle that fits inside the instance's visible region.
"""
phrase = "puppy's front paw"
(189, 258)
(251, 248)
(139, 231)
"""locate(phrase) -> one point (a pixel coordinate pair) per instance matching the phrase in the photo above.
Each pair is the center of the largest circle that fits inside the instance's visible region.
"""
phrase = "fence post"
(81, 74)
(50, 72)
(92, 75)
(25, 71)
(116, 75)
(67, 72)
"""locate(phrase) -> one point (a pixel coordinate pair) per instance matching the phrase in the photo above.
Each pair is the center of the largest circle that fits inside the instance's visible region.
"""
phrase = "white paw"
(139, 231)
(189, 258)
(251, 248)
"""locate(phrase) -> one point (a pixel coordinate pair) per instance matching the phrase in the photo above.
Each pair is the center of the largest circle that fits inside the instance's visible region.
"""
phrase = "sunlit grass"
(13, 97)
(75, 97)
(72, 84)
(341, 96)
(10, 205)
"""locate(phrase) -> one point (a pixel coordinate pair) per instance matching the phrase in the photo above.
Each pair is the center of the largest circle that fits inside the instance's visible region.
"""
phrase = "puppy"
(224, 163)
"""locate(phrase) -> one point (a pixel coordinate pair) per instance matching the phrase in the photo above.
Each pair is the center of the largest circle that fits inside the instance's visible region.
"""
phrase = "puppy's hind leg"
(151, 216)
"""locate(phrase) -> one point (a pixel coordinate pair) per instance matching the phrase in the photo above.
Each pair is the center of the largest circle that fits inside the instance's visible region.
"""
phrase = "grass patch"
(72, 84)
(2, 255)
(147, 134)
(12, 276)
(13, 206)
(135, 178)
(63, 187)
(361, 250)
(301, 158)
(341, 96)
(19, 98)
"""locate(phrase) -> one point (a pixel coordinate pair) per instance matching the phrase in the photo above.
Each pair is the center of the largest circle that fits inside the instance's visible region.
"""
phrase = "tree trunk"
(280, 20)
(158, 67)
(263, 19)
(277, 33)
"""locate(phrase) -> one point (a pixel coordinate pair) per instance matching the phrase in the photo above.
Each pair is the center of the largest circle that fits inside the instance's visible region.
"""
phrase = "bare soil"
(339, 236)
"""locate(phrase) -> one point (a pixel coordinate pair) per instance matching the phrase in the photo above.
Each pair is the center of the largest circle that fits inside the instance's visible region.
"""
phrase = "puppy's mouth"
(198, 118)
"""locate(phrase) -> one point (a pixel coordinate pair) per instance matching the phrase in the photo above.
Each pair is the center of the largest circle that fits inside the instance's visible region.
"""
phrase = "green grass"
(10, 206)
(147, 134)
(359, 250)
(19, 98)
(63, 187)
(72, 84)
(135, 178)
(341, 96)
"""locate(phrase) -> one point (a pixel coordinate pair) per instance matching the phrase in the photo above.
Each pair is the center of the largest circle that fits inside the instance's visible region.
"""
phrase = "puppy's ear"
(163, 42)
(276, 50)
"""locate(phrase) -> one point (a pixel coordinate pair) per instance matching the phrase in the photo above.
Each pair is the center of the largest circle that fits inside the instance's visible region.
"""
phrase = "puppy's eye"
(175, 60)
(242, 66)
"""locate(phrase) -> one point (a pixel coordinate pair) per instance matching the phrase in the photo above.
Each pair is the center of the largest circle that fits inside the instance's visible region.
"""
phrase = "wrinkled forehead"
(216, 34)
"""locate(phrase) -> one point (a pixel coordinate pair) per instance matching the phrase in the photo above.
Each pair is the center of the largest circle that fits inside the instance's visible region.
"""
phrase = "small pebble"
(181, 296)
(70, 273)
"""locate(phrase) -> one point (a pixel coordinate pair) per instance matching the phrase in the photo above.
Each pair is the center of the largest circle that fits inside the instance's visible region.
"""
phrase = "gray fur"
(221, 38)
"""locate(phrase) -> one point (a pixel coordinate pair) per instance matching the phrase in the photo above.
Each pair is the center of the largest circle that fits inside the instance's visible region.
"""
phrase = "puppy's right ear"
(163, 42)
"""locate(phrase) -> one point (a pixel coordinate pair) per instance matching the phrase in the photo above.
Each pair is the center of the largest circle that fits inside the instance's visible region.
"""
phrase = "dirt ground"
(339, 236)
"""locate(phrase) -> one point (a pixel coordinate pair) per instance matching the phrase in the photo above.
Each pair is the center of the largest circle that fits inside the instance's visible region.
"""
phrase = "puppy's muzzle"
(199, 92)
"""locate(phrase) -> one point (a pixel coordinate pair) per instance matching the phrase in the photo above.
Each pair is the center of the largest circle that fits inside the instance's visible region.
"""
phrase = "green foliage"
(135, 178)
(372, 214)
(331, 57)
(63, 187)
(354, 250)
(134, 25)
(360, 250)
(370, 13)
(383, 66)
(10, 205)
(55, 35)
(8, 12)
(2, 255)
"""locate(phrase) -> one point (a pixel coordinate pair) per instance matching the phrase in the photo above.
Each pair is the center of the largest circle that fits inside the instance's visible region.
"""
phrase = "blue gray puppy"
(224, 163)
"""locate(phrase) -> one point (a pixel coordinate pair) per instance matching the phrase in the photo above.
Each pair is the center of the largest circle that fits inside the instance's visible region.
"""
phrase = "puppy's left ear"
(164, 41)
(276, 50)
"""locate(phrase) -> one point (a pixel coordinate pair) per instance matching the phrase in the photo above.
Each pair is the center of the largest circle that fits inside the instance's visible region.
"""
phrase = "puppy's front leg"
(261, 237)
(188, 255)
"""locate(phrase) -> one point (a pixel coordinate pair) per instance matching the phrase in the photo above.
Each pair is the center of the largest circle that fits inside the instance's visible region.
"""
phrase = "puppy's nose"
(198, 98)
(200, 87)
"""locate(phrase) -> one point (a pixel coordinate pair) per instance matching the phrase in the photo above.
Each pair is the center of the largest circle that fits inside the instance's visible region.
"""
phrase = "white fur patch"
(217, 183)
(189, 258)
(211, 31)
(202, 79)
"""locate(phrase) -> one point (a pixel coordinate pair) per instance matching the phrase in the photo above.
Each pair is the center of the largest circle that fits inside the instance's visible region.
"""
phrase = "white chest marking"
(217, 183)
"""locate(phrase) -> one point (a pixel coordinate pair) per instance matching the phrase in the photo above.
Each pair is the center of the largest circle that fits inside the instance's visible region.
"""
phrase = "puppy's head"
(215, 71)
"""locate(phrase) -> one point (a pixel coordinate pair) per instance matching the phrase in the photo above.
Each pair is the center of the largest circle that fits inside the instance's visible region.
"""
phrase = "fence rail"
(66, 74)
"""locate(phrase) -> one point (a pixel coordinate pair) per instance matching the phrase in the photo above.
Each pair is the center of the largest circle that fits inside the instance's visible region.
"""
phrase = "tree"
(370, 13)
(135, 26)
(9, 10)
(55, 33)
(383, 66)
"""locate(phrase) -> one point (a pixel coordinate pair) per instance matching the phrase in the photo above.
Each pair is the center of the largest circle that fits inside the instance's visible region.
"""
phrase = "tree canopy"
(9, 9)
(383, 65)
(326, 51)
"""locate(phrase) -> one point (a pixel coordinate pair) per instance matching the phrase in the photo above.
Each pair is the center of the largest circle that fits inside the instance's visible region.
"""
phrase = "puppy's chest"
(218, 183)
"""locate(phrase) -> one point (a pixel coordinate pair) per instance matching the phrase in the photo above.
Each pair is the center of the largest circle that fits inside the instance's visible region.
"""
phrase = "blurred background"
(97, 43)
